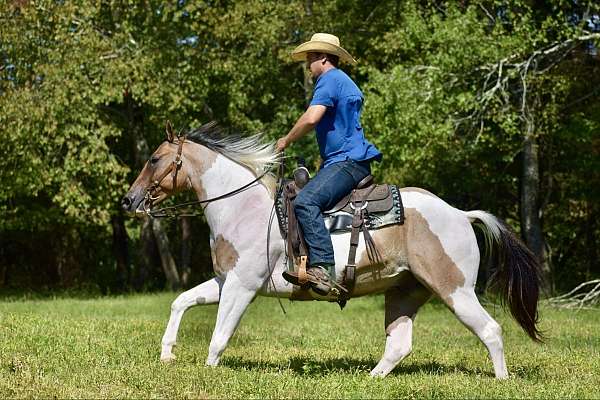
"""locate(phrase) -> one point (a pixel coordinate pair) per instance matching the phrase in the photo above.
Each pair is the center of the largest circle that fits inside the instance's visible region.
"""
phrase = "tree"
(472, 100)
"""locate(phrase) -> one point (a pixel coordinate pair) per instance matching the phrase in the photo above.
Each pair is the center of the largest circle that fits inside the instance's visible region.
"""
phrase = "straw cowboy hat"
(322, 43)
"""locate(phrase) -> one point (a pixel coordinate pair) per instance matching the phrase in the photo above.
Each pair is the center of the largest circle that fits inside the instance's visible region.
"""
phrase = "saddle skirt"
(383, 207)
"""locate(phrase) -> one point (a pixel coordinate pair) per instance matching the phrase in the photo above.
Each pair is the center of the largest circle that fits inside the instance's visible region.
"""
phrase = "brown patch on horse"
(204, 160)
(300, 294)
(427, 259)
(390, 243)
(208, 159)
(224, 255)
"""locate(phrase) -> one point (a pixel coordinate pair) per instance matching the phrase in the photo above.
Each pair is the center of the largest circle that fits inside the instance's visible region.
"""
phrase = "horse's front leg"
(235, 296)
(205, 293)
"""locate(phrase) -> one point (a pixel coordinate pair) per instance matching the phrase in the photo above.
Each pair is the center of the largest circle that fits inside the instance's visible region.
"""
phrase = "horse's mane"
(254, 152)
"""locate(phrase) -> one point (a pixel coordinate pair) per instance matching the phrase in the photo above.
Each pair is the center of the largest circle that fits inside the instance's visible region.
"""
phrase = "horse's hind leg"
(446, 262)
(401, 305)
(205, 293)
(470, 312)
(454, 283)
(455, 286)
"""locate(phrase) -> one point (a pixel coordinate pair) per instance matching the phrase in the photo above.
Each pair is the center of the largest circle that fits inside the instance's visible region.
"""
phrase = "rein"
(167, 211)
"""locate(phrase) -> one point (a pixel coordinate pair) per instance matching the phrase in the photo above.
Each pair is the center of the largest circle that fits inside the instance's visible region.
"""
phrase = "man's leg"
(322, 192)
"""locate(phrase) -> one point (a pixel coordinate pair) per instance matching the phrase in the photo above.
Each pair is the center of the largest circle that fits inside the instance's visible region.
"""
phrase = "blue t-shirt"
(339, 133)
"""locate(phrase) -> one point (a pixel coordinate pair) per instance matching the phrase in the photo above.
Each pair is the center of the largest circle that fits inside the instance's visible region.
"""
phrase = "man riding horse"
(435, 252)
(334, 112)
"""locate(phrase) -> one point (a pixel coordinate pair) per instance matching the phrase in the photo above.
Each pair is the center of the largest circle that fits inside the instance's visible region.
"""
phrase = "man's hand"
(282, 143)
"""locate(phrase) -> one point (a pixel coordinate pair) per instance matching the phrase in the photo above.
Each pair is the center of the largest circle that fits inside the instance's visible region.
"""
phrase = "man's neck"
(326, 68)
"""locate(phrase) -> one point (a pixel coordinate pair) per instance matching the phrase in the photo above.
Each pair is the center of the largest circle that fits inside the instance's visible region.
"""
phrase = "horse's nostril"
(126, 202)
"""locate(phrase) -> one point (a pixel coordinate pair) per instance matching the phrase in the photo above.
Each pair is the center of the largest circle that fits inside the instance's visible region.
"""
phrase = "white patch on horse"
(234, 216)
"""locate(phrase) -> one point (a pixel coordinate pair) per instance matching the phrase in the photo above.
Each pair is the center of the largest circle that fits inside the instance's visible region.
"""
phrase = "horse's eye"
(154, 160)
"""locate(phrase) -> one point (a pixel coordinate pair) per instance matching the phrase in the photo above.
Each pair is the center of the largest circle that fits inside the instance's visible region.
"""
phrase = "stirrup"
(325, 289)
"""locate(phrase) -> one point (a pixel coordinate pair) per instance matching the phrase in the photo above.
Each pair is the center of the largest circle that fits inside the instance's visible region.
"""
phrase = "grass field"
(109, 347)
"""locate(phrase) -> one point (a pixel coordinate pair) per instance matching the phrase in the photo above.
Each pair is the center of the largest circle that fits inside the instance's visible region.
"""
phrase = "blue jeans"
(320, 194)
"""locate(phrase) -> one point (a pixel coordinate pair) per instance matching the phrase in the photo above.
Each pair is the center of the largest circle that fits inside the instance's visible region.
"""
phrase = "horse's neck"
(251, 206)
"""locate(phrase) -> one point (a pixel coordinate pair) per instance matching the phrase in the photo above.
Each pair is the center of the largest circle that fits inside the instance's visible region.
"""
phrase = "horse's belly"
(377, 278)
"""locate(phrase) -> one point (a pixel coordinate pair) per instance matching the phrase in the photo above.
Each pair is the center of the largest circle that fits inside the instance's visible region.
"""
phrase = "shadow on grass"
(435, 368)
(312, 367)
(303, 365)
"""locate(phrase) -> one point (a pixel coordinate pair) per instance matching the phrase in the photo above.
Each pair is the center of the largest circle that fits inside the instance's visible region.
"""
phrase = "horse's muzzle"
(133, 204)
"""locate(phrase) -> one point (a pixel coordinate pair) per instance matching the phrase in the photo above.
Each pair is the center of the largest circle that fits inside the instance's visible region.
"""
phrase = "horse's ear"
(169, 129)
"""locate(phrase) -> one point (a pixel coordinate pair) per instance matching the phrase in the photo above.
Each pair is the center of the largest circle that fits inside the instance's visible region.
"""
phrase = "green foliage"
(86, 87)
(420, 108)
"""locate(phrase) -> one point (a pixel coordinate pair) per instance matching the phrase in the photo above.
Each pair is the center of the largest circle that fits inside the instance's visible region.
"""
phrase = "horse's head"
(164, 174)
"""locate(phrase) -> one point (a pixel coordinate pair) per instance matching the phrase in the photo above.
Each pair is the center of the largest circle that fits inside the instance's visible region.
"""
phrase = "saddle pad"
(340, 221)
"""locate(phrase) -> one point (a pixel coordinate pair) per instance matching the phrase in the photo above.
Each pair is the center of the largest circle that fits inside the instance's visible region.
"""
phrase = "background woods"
(490, 104)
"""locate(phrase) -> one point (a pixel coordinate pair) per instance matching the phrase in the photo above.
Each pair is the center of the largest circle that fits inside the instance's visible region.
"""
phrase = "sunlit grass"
(109, 347)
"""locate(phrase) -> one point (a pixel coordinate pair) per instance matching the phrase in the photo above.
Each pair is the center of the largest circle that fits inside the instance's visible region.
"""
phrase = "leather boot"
(318, 279)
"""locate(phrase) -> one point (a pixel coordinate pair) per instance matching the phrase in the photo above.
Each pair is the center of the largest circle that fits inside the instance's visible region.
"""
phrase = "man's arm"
(305, 124)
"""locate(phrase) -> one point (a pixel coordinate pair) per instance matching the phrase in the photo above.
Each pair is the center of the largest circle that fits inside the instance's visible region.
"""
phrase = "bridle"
(171, 211)
(173, 170)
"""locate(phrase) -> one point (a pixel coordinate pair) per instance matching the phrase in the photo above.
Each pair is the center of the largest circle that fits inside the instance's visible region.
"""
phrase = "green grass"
(109, 347)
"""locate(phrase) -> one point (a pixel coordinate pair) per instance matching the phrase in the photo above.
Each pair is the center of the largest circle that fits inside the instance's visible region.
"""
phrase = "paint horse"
(434, 253)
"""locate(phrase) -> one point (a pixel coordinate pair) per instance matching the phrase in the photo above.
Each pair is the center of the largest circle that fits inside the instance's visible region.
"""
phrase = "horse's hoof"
(167, 358)
(212, 362)
(377, 374)
(381, 370)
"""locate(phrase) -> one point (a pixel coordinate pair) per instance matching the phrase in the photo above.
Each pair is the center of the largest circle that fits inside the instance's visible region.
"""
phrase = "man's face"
(314, 63)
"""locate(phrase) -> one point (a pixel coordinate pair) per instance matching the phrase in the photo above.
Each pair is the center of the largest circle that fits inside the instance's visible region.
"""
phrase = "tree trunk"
(140, 155)
(591, 242)
(3, 262)
(531, 225)
(68, 268)
(149, 256)
(186, 250)
(168, 263)
(121, 250)
(308, 7)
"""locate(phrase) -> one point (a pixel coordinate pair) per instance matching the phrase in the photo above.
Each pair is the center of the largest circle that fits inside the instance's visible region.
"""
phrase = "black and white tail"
(516, 270)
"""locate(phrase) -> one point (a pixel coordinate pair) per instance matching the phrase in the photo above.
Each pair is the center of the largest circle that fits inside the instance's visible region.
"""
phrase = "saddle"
(368, 206)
